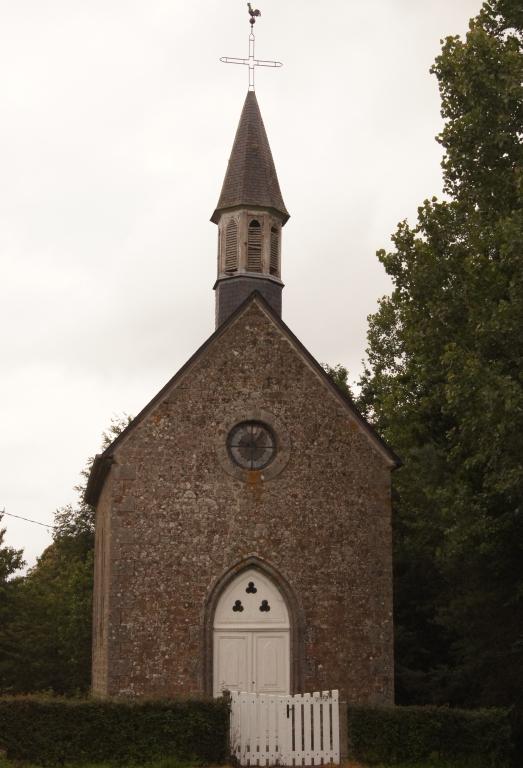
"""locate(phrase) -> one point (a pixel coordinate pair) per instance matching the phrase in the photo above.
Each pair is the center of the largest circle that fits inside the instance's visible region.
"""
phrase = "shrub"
(473, 738)
(53, 731)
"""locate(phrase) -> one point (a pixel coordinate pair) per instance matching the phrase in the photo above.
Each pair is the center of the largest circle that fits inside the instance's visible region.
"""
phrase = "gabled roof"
(251, 178)
(102, 462)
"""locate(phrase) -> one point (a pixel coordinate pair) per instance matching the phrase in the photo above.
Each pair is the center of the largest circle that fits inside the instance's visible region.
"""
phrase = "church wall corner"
(101, 594)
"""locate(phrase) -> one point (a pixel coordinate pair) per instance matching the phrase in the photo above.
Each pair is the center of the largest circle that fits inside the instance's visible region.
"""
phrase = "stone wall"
(179, 520)
(102, 582)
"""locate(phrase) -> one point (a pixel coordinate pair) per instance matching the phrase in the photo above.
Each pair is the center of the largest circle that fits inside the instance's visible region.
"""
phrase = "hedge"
(478, 738)
(53, 731)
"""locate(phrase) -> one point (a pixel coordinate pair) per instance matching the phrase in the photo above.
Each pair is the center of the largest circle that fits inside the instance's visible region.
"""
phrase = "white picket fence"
(285, 730)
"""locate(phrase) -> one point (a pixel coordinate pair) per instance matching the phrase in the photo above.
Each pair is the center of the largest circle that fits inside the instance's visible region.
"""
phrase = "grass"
(173, 763)
(166, 762)
(425, 764)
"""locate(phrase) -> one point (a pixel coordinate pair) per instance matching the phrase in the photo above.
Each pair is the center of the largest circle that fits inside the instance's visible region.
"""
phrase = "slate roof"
(251, 178)
(102, 462)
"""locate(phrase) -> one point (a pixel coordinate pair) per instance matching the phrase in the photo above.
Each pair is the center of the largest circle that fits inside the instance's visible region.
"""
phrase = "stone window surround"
(283, 445)
(270, 444)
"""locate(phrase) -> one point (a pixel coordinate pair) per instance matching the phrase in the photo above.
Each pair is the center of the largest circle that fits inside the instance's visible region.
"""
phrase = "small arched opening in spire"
(275, 252)
(254, 247)
(231, 246)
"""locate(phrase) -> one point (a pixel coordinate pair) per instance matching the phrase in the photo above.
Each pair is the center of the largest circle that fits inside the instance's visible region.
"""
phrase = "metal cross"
(251, 62)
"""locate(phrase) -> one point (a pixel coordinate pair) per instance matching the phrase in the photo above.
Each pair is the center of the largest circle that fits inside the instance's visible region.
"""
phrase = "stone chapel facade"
(243, 519)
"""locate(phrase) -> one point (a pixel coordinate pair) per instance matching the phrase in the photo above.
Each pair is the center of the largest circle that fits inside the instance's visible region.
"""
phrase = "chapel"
(243, 518)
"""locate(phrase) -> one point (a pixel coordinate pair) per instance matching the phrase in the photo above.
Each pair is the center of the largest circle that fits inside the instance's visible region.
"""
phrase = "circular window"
(265, 447)
(251, 445)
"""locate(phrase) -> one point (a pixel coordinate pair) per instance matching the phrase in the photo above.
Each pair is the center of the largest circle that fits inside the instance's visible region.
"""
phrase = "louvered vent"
(275, 243)
(231, 246)
(254, 249)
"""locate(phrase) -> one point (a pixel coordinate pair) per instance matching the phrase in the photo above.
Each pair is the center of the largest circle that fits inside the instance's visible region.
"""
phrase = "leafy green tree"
(11, 560)
(48, 629)
(340, 376)
(77, 521)
(444, 380)
(51, 625)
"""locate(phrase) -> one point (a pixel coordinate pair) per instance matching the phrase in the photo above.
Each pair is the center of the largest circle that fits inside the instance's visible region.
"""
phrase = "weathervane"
(251, 62)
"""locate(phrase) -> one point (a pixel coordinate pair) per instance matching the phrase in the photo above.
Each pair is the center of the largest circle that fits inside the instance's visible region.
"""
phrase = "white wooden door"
(251, 638)
(257, 662)
(270, 662)
(231, 661)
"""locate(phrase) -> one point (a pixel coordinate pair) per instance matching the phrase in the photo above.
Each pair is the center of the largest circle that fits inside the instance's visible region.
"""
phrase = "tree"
(11, 560)
(49, 623)
(78, 521)
(443, 383)
(340, 376)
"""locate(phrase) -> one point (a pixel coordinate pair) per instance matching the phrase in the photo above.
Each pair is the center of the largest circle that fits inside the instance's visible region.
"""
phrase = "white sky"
(116, 123)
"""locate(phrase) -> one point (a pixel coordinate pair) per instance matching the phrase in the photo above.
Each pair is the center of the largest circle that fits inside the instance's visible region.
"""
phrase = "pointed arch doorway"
(251, 637)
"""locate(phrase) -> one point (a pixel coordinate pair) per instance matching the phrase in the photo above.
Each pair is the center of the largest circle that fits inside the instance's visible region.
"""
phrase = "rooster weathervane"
(253, 14)
(251, 62)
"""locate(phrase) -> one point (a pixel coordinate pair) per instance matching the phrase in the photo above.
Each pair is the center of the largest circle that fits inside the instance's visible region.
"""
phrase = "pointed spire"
(251, 178)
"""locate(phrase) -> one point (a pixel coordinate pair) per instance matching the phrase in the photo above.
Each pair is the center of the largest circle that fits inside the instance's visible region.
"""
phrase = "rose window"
(251, 445)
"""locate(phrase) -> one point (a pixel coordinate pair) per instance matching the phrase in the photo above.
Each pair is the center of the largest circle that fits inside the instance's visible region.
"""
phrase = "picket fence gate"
(285, 730)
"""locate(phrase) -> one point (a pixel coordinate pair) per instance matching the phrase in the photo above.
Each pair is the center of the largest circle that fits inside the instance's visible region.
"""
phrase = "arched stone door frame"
(296, 619)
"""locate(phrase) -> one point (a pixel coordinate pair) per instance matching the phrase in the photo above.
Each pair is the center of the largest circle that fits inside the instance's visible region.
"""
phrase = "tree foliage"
(340, 376)
(11, 560)
(45, 627)
(443, 383)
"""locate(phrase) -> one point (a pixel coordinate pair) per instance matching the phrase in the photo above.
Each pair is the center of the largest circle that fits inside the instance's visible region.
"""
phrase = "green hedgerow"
(54, 731)
(394, 735)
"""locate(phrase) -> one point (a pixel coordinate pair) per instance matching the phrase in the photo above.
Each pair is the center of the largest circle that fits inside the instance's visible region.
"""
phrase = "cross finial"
(251, 62)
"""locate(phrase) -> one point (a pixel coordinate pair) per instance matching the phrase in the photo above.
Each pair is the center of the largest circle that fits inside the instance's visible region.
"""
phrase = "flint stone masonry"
(171, 522)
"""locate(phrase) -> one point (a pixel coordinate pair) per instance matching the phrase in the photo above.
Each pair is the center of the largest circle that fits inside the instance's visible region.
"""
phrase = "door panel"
(271, 662)
(232, 661)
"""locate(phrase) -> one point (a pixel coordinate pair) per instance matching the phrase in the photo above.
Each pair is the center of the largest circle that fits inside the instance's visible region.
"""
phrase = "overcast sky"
(116, 123)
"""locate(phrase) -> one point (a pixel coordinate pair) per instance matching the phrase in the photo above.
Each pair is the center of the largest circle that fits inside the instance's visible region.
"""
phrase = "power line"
(27, 520)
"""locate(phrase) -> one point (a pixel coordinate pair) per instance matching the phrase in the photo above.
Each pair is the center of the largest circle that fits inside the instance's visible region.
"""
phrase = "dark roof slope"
(102, 462)
(251, 175)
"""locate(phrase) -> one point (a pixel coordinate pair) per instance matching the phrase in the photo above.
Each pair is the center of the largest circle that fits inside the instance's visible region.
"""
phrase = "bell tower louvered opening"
(231, 246)
(254, 247)
(275, 252)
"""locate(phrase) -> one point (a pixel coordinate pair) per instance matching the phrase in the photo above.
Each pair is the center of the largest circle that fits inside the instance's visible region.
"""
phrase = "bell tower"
(250, 216)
